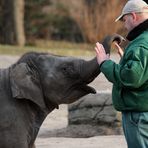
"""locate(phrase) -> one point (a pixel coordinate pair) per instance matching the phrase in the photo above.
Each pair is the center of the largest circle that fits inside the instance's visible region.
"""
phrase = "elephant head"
(50, 80)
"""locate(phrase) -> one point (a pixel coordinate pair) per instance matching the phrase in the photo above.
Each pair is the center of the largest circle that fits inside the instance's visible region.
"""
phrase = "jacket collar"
(137, 30)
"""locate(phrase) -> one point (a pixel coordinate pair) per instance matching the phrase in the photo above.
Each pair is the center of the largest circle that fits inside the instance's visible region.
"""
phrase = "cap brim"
(119, 18)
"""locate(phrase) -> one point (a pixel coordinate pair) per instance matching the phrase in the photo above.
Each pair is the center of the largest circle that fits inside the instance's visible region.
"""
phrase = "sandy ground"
(58, 120)
(94, 142)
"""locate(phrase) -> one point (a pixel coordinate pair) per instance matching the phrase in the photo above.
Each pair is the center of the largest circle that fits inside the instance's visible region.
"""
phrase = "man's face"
(128, 21)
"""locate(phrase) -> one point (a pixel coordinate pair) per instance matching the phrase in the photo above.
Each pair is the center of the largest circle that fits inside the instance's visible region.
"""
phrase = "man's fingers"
(117, 45)
(96, 49)
(100, 47)
(120, 51)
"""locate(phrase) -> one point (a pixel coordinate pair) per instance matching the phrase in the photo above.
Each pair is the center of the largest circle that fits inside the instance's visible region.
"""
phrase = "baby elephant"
(34, 86)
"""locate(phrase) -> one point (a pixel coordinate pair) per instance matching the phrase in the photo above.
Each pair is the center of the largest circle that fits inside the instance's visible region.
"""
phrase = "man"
(130, 76)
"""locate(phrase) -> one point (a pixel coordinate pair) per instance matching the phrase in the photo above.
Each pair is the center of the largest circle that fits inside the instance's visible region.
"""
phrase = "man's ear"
(25, 85)
(134, 16)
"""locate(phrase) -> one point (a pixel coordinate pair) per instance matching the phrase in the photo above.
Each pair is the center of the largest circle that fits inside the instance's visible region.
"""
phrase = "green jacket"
(130, 76)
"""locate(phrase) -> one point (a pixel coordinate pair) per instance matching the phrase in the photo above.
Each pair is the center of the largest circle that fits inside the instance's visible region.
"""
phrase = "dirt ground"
(58, 120)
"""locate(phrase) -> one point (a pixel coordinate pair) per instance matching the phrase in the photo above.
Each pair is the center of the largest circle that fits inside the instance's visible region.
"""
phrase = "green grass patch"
(54, 47)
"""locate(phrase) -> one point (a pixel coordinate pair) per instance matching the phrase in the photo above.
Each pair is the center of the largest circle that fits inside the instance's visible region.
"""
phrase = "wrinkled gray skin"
(33, 87)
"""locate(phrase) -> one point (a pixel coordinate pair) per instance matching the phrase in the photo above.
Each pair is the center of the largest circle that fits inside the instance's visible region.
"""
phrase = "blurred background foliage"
(76, 21)
(37, 22)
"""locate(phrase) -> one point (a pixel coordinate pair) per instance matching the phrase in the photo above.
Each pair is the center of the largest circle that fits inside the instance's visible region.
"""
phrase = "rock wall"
(96, 112)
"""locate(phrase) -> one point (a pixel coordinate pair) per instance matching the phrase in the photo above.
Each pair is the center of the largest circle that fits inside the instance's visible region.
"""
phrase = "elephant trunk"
(90, 70)
(108, 40)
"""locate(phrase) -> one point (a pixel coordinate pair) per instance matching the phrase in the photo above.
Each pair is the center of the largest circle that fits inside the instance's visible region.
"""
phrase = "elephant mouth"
(76, 92)
(88, 89)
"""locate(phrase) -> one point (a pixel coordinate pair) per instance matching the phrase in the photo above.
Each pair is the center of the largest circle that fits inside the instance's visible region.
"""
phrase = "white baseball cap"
(133, 6)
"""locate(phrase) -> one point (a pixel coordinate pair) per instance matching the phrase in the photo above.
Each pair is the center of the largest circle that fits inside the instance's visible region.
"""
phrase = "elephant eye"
(69, 71)
(64, 69)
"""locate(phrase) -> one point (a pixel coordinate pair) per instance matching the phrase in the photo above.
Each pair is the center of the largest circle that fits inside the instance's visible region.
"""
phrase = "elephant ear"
(25, 85)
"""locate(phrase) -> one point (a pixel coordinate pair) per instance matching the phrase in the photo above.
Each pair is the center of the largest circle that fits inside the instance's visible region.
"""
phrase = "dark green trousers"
(135, 127)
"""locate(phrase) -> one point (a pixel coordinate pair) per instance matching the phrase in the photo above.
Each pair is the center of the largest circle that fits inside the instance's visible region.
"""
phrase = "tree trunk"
(13, 22)
(7, 22)
(19, 22)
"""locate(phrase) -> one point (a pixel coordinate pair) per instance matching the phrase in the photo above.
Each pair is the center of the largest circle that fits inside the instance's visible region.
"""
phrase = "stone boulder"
(95, 112)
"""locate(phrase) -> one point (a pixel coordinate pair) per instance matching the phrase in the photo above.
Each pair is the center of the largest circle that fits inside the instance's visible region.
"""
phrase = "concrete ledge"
(95, 110)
